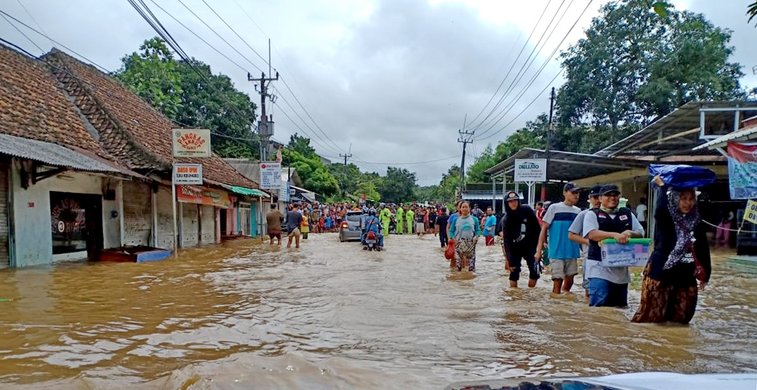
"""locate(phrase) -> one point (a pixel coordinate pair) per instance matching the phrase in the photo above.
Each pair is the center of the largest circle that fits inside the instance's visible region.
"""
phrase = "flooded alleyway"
(330, 315)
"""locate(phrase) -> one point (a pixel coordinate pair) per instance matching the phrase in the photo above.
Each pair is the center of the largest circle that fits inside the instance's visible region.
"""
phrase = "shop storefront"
(4, 215)
(200, 209)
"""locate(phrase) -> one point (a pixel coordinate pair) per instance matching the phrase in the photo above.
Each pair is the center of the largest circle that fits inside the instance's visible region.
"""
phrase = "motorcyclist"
(372, 224)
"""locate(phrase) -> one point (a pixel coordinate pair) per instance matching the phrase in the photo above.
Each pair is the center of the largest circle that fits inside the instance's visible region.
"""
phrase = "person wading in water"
(520, 235)
(681, 256)
(465, 231)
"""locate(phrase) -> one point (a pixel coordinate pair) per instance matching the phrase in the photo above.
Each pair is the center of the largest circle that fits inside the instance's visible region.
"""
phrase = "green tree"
(634, 66)
(302, 145)
(314, 174)
(192, 99)
(447, 189)
(398, 185)
(348, 176)
(212, 102)
(153, 74)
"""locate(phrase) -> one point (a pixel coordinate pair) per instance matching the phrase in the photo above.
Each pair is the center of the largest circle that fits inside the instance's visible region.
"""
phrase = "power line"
(238, 36)
(525, 44)
(24, 34)
(535, 51)
(512, 105)
(218, 35)
(522, 72)
(55, 42)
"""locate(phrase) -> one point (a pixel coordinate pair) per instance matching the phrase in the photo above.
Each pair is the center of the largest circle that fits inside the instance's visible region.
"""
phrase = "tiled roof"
(130, 128)
(33, 107)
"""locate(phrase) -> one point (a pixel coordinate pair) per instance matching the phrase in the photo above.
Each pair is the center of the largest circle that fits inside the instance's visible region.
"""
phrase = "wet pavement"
(329, 315)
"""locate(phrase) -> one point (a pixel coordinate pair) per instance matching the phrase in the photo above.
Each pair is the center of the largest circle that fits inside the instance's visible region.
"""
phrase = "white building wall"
(137, 213)
(165, 218)
(208, 215)
(190, 224)
(32, 219)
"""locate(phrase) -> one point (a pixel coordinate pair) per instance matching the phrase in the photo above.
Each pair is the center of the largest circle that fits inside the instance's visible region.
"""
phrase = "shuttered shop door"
(4, 215)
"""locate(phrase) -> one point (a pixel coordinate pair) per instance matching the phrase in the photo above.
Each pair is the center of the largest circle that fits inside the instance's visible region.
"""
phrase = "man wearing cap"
(563, 253)
(578, 235)
(520, 233)
(608, 286)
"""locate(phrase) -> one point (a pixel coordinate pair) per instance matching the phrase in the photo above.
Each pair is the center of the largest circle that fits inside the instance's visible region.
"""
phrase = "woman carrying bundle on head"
(681, 256)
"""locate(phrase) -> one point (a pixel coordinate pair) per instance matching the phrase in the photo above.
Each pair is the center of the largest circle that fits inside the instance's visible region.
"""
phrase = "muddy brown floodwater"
(245, 315)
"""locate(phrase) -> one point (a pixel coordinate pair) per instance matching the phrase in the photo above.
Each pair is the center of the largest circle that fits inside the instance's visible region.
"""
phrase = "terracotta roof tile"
(32, 106)
(130, 128)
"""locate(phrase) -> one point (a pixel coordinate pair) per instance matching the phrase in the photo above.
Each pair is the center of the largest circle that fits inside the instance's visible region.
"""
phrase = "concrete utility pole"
(549, 142)
(347, 155)
(265, 124)
(465, 138)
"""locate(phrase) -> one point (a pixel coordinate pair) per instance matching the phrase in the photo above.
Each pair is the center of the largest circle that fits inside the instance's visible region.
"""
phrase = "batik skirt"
(466, 247)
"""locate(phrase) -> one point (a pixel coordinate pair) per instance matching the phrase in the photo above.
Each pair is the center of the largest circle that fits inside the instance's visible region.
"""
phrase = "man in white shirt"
(641, 213)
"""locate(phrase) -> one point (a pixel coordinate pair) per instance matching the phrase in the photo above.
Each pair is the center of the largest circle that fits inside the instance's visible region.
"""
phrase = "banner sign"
(750, 214)
(190, 174)
(285, 193)
(742, 170)
(204, 196)
(191, 142)
(531, 170)
(270, 176)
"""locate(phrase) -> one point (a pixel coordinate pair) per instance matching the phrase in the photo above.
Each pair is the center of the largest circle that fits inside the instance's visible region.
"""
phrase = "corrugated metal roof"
(739, 136)
(52, 154)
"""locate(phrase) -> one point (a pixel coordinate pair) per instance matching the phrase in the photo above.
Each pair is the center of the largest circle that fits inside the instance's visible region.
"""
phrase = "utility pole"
(549, 142)
(265, 124)
(346, 155)
(466, 137)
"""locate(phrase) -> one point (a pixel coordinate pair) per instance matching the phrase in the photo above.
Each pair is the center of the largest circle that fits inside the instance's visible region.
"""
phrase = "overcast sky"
(393, 79)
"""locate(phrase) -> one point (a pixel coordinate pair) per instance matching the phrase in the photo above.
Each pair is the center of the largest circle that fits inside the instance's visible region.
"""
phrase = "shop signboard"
(270, 175)
(191, 143)
(742, 170)
(203, 195)
(531, 170)
(285, 193)
(187, 174)
(750, 214)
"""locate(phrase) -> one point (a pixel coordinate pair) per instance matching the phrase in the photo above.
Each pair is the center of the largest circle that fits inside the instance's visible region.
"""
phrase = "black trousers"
(443, 237)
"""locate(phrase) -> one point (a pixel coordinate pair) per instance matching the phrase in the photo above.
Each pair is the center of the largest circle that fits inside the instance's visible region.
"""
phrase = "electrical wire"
(535, 51)
(55, 42)
(532, 80)
(525, 44)
(24, 34)
(235, 33)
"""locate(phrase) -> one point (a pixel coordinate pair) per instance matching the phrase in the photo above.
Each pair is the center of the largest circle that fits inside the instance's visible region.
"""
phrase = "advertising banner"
(270, 176)
(187, 174)
(531, 170)
(742, 170)
(750, 214)
(191, 142)
(204, 196)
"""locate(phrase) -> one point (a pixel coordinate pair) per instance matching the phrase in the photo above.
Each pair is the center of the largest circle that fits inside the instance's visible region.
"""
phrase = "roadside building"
(141, 138)
(60, 192)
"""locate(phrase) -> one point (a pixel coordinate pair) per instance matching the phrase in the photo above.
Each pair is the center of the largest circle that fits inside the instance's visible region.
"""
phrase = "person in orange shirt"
(304, 226)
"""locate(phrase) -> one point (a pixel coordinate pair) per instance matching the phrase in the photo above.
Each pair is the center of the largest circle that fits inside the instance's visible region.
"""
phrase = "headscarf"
(684, 225)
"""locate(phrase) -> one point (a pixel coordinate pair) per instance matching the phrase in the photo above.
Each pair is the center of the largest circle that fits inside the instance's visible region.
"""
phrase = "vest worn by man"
(623, 221)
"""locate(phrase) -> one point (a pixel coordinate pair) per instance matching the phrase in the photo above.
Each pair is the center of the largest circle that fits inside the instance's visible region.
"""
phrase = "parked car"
(350, 229)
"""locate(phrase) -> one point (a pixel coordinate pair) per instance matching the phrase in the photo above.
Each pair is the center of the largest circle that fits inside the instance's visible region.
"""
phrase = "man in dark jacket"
(520, 234)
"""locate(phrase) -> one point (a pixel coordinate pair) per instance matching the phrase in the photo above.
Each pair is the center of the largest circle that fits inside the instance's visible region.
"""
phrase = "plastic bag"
(449, 253)
(682, 176)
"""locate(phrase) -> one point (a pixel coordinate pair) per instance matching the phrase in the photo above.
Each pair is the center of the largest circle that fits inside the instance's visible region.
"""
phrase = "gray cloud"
(392, 77)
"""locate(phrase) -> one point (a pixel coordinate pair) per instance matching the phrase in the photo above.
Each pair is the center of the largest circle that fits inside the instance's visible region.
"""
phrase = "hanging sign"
(750, 214)
(742, 170)
(190, 174)
(285, 192)
(531, 170)
(191, 142)
(204, 196)
(270, 176)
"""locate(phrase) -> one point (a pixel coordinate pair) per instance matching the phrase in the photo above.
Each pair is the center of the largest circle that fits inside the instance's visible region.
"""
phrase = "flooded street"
(330, 315)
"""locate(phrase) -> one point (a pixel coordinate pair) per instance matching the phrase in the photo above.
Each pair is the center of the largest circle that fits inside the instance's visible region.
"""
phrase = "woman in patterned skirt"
(465, 231)
(681, 256)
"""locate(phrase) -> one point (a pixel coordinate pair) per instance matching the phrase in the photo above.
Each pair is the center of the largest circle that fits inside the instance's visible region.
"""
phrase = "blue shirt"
(465, 227)
(451, 221)
(560, 216)
(490, 225)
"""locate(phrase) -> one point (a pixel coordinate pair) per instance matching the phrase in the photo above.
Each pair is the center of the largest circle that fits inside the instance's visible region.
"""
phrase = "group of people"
(678, 267)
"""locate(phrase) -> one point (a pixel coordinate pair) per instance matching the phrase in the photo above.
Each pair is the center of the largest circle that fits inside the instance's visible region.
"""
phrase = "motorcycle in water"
(371, 242)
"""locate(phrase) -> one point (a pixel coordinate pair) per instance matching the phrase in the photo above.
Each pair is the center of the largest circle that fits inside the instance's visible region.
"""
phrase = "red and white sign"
(191, 142)
(187, 174)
